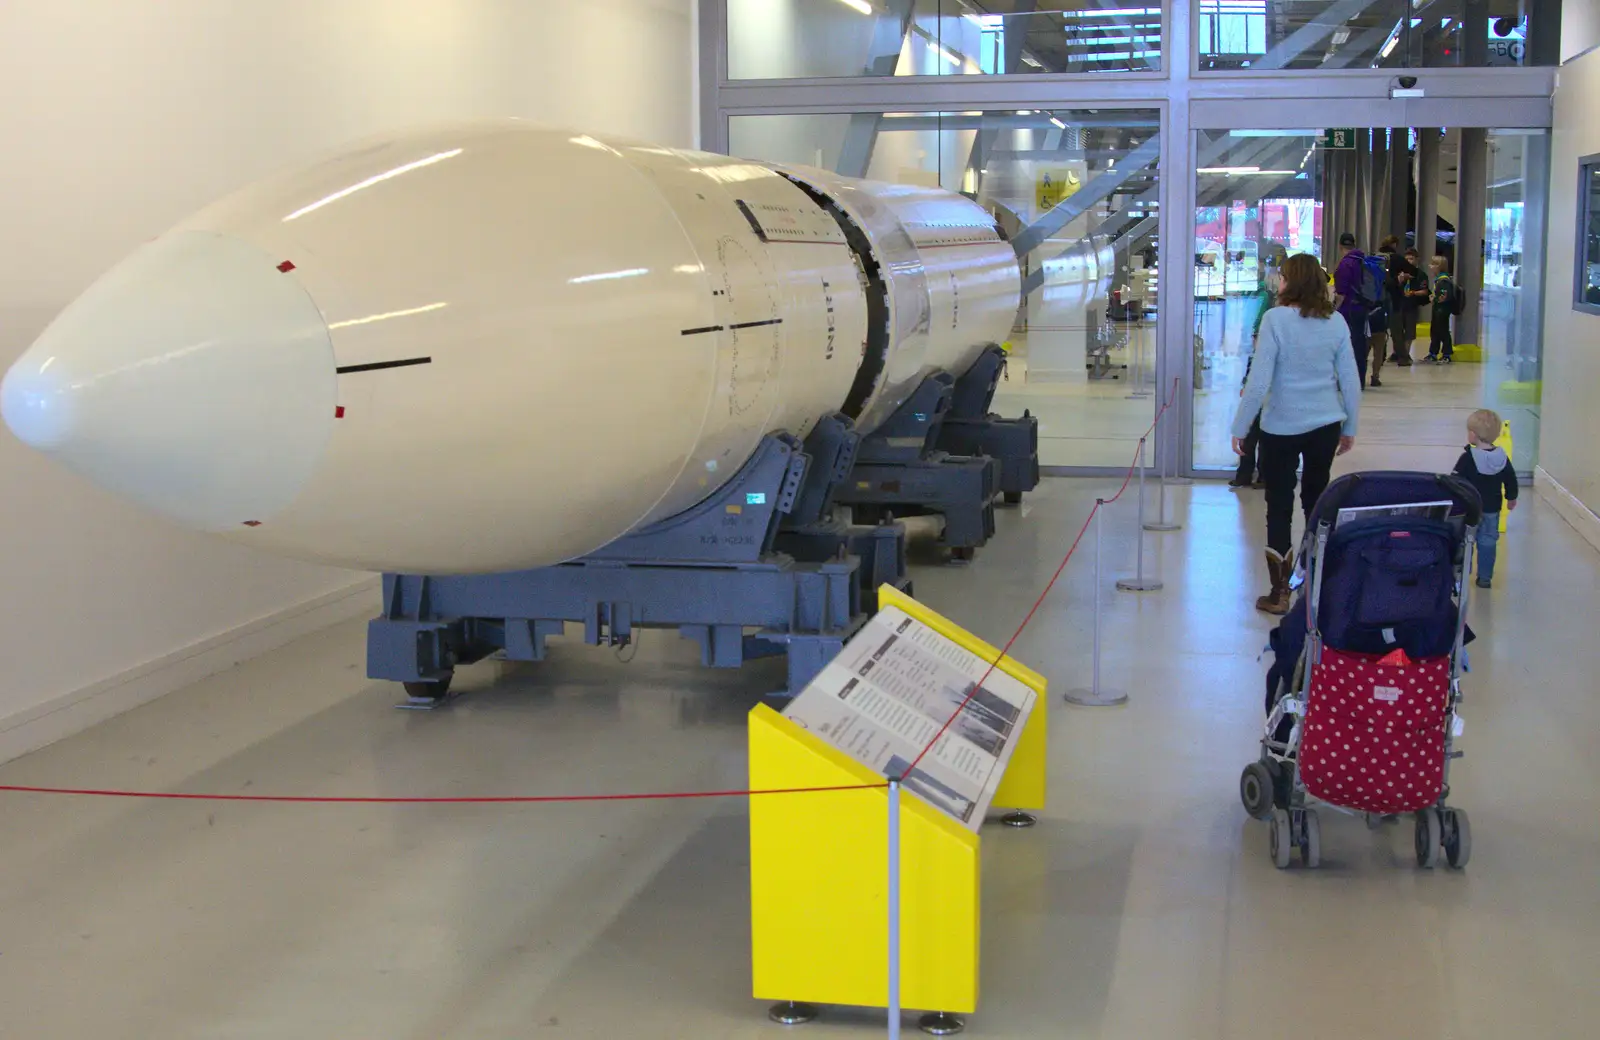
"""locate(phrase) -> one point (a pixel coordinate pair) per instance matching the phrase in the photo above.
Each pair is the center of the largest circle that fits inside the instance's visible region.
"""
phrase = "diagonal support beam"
(1319, 28)
(889, 34)
(1097, 190)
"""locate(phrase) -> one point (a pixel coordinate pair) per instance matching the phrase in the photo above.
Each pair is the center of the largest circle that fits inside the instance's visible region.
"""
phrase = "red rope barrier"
(633, 797)
(463, 800)
(1051, 584)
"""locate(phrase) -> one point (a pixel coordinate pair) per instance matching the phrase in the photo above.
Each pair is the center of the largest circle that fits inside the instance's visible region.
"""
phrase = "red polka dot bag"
(1374, 736)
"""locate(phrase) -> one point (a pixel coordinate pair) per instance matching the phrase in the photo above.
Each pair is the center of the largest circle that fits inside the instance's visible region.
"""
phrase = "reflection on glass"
(1589, 289)
(1076, 192)
(806, 39)
(1246, 216)
(1348, 34)
(1257, 202)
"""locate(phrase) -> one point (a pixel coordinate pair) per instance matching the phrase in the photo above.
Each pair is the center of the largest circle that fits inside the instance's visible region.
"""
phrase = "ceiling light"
(946, 55)
(1388, 48)
(1228, 169)
(1032, 62)
(859, 5)
(1058, 122)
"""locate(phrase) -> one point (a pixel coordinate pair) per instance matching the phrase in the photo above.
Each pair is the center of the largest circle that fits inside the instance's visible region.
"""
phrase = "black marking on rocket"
(756, 324)
(376, 365)
(701, 332)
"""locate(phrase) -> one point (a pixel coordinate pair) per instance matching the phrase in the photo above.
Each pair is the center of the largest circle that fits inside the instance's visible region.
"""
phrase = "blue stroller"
(1365, 686)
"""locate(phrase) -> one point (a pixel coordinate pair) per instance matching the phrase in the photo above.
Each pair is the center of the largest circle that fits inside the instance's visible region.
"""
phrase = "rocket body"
(498, 346)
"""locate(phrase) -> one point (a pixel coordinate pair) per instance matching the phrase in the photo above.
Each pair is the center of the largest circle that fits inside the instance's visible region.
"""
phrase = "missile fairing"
(493, 347)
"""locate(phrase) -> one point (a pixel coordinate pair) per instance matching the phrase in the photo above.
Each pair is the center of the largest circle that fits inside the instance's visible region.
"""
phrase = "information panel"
(890, 691)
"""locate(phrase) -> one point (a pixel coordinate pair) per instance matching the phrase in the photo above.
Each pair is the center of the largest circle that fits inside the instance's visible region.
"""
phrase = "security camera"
(1407, 82)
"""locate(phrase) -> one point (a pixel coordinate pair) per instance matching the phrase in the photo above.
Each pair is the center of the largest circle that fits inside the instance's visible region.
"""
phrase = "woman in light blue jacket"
(1306, 390)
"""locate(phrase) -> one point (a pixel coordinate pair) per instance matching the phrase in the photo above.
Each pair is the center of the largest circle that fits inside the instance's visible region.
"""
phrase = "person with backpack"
(1358, 288)
(1447, 302)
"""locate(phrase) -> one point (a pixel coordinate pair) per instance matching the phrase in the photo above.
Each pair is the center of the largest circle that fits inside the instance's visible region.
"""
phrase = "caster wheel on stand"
(1256, 790)
(1429, 838)
(1457, 838)
(1280, 840)
(1310, 839)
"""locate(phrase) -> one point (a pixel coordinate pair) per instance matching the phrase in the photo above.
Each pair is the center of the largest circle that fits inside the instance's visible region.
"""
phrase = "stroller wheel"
(1457, 838)
(1281, 840)
(1310, 839)
(1429, 838)
(1255, 790)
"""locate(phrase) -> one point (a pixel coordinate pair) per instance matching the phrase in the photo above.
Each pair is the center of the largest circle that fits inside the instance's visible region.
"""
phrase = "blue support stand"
(943, 453)
(763, 553)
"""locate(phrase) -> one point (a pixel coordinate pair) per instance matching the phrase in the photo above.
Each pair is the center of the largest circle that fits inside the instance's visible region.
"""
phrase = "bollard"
(1094, 696)
(1136, 373)
(1161, 523)
(1140, 583)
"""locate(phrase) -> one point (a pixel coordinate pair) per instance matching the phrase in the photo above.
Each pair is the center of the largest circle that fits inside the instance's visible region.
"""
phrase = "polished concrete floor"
(1143, 906)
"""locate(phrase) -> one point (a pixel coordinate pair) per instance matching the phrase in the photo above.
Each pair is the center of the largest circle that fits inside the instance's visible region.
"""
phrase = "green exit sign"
(1343, 138)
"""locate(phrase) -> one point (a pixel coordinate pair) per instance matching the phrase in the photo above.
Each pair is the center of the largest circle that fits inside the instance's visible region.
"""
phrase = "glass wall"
(1349, 34)
(1077, 190)
(1258, 200)
(814, 39)
(1264, 194)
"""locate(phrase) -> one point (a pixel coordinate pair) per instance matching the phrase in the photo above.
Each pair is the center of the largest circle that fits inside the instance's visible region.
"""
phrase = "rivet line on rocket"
(702, 331)
(756, 324)
(376, 365)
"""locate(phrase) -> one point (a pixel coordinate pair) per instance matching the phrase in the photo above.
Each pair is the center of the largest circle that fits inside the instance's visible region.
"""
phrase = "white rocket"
(497, 346)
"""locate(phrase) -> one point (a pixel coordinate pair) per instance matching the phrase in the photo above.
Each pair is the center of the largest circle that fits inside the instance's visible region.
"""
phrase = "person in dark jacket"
(1489, 469)
(1409, 288)
(1441, 347)
(1347, 298)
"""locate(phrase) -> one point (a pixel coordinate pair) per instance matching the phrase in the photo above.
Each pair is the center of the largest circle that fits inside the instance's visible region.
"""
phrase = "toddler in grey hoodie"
(1489, 469)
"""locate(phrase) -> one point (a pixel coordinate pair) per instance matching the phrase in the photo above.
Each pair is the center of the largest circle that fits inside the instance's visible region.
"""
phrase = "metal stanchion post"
(1161, 523)
(1136, 367)
(894, 910)
(1094, 696)
(1139, 583)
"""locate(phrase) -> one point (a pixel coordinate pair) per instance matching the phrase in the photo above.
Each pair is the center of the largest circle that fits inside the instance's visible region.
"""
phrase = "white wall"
(1569, 429)
(121, 117)
(1580, 27)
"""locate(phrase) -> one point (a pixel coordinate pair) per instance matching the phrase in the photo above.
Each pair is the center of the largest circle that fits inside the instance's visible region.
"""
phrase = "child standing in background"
(1442, 347)
(1489, 469)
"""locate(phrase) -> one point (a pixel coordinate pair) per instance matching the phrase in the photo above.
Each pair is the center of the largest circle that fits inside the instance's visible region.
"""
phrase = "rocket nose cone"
(33, 404)
(196, 378)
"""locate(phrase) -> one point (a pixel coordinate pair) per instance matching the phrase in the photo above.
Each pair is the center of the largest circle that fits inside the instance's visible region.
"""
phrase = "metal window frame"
(1187, 100)
(1587, 164)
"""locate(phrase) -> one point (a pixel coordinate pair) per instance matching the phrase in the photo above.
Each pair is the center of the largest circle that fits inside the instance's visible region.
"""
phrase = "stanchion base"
(792, 1014)
(1178, 482)
(1096, 698)
(1162, 525)
(940, 1024)
(1139, 584)
(1018, 818)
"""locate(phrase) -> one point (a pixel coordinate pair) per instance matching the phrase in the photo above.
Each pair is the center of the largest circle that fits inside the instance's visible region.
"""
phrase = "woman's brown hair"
(1390, 244)
(1305, 285)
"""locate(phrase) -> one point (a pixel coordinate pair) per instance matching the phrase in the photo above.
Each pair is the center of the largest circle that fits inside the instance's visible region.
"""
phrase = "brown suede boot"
(1279, 569)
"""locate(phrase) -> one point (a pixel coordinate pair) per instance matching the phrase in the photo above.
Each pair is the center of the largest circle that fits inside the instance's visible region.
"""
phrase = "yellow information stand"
(819, 863)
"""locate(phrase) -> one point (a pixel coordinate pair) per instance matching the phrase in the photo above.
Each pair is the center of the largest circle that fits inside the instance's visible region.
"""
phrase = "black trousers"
(1442, 345)
(1359, 341)
(1280, 454)
(1249, 462)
